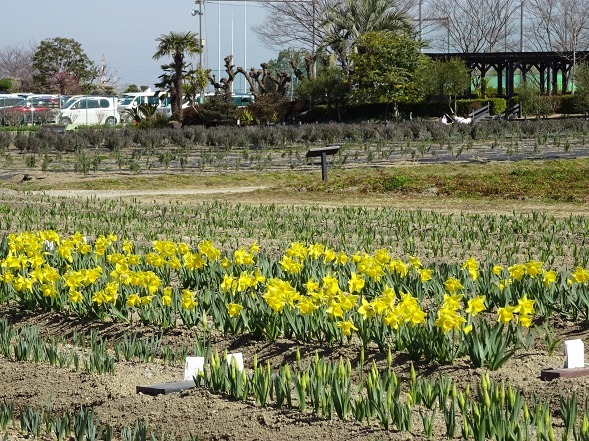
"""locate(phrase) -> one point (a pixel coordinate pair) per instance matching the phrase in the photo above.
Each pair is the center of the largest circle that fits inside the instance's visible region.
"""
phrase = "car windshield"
(69, 102)
(126, 100)
(11, 102)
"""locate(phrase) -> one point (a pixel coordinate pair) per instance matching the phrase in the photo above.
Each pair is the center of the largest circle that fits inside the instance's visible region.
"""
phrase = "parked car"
(11, 100)
(8, 116)
(88, 110)
(36, 108)
(129, 102)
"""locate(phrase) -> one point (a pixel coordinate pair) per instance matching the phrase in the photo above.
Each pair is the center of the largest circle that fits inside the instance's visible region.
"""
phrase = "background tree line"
(340, 52)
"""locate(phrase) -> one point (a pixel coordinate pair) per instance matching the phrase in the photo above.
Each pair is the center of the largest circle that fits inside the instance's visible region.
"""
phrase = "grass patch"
(553, 180)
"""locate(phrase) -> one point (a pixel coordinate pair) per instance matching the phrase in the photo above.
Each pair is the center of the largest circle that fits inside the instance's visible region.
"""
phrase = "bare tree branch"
(293, 24)
(558, 25)
(16, 62)
(477, 25)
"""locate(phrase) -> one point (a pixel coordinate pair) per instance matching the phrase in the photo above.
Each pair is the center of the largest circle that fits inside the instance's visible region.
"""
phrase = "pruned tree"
(261, 81)
(16, 62)
(476, 25)
(61, 65)
(224, 85)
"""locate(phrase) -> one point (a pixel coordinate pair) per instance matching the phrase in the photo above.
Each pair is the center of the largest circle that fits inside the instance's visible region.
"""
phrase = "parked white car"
(131, 100)
(88, 110)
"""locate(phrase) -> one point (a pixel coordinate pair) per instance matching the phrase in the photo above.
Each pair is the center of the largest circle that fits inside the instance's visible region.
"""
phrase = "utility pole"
(200, 39)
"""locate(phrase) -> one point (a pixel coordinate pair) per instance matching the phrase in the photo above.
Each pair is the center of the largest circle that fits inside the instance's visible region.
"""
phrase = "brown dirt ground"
(216, 417)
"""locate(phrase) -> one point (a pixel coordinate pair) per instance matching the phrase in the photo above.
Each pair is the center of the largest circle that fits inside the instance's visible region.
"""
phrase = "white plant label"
(574, 351)
(238, 356)
(193, 366)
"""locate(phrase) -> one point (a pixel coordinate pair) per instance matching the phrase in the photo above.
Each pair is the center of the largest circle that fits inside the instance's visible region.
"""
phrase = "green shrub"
(496, 105)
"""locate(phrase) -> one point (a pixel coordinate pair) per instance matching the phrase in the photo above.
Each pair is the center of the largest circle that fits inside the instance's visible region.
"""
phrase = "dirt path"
(130, 193)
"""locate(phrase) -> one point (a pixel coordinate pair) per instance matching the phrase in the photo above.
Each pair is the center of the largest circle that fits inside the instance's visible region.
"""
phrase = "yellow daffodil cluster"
(97, 273)
(580, 275)
(307, 281)
(524, 310)
(517, 272)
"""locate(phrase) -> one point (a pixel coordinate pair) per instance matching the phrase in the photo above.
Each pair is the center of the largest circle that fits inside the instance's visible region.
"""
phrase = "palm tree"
(177, 45)
(345, 22)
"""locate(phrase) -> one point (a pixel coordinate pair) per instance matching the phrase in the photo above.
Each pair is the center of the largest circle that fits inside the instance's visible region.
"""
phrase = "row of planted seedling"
(292, 136)
(81, 425)
(89, 352)
(435, 237)
(313, 293)
(328, 389)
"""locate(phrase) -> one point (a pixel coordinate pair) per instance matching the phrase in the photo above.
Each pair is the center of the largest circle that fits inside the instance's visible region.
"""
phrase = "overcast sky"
(125, 31)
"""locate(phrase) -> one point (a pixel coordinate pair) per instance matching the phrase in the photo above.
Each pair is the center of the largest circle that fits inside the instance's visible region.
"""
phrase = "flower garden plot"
(314, 295)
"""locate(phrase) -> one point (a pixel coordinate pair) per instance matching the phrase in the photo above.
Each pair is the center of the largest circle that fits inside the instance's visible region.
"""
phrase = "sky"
(125, 32)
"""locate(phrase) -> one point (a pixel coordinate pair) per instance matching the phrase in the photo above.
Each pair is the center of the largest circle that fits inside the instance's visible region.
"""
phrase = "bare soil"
(212, 416)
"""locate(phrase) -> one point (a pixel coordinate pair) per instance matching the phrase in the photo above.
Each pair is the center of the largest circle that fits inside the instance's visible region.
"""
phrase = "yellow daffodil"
(242, 257)
(425, 275)
(448, 320)
(167, 296)
(525, 306)
(476, 305)
(290, 265)
(580, 275)
(316, 250)
(452, 285)
(75, 296)
(472, 266)
(341, 258)
(347, 327)
(356, 283)
(415, 262)
(306, 306)
(187, 300)
(366, 310)
(524, 320)
(382, 256)
(452, 302)
(225, 263)
(533, 268)
(297, 250)
(329, 255)
(549, 278)
(207, 248)
(393, 319)
(234, 309)
(505, 315)
(133, 301)
(517, 271)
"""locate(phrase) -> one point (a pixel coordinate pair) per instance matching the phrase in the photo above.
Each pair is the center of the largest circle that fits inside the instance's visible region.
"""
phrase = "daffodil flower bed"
(312, 293)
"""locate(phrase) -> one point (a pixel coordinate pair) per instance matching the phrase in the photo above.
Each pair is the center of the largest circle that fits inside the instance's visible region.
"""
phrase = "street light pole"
(200, 39)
